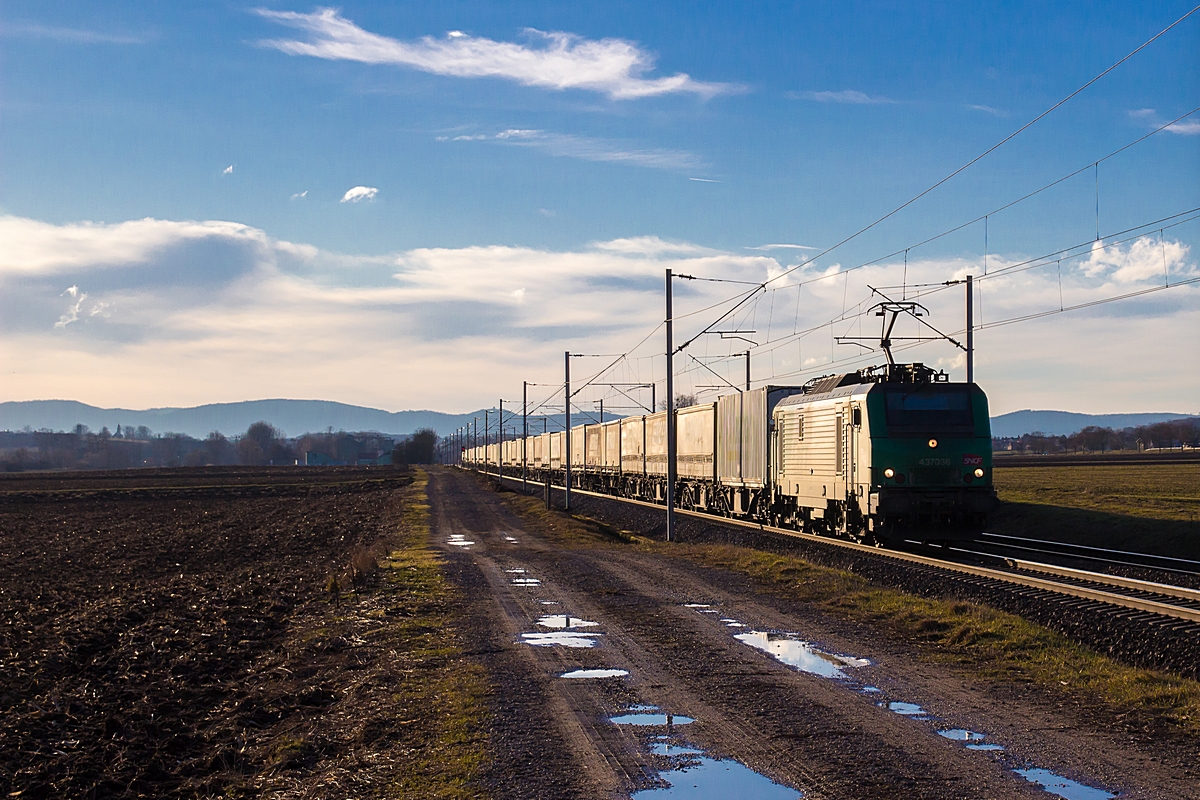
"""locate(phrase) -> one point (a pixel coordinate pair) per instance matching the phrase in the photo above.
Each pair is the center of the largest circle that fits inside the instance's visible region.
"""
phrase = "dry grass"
(1148, 508)
(1154, 491)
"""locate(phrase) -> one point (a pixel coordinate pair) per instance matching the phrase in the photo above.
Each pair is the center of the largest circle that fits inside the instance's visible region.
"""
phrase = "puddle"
(526, 582)
(549, 602)
(1063, 787)
(669, 748)
(709, 611)
(870, 689)
(560, 638)
(650, 719)
(959, 735)
(565, 621)
(801, 655)
(734, 625)
(509, 539)
(595, 673)
(696, 605)
(458, 540)
(516, 571)
(990, 747)
(907, 709)
(708, 779)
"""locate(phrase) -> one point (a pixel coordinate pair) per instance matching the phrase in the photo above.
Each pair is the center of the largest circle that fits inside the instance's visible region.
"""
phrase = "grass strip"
(442, 695)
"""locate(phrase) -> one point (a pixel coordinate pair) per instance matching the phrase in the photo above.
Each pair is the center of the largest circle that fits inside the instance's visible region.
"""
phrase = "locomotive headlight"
(933, 442)
(889, 473)
(979, 472)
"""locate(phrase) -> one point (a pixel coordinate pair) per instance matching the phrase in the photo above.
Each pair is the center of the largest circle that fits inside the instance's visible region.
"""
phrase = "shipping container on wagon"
(533, 452)
(593, 438)
(696, 442)
(612, 446)
(743, 428)
(556, 449)
(578, 447)
(656, 443)
(633, 445)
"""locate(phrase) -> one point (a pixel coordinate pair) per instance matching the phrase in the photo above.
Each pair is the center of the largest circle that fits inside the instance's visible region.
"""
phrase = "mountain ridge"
(296, 417)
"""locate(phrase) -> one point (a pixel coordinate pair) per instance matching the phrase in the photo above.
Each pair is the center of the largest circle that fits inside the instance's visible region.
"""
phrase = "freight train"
(879, 455)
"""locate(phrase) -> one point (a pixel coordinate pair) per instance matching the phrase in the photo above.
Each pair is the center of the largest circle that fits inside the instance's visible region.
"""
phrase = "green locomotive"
(884, 454)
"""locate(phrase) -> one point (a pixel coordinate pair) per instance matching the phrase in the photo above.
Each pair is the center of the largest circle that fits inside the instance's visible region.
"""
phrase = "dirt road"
(848, 717)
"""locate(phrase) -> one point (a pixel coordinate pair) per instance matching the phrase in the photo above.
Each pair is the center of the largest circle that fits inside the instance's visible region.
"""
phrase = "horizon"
(399, 207)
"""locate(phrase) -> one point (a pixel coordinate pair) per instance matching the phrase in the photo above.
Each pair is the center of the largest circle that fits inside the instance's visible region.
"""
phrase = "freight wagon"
(877, 455)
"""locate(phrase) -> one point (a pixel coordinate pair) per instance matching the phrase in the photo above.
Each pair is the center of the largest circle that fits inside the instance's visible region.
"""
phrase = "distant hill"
(1064, 423)
(296, 417)
(293, 417)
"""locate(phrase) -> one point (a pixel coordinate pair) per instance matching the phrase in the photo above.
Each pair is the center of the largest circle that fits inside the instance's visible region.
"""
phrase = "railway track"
(1167, 605)
(1080, 552)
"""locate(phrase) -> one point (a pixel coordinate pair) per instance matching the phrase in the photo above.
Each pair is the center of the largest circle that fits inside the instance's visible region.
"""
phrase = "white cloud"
(848, 96)
(995, 112)
(448, 328)
(299, 195)
(74, 35)
(782, 247)
(1142, 259)
(72, 315)
(1185, 127)
(588, 148)
(39, 248)
(228, 170)
(703, 180)
(614, 67)
(359, 193)
(653, 246)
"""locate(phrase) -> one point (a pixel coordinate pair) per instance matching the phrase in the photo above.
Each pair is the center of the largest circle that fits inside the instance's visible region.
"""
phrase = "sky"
(422, 205)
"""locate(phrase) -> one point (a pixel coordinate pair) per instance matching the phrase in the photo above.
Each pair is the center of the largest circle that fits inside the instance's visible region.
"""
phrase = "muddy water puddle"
(459, 540)
(1063, 787)
(690, 773)
(560, 639)
(564, 621)
(595, 673)
(791, 649)
(800, 654)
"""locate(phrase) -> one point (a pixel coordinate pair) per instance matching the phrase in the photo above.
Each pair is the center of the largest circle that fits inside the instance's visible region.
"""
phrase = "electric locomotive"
(884, 454)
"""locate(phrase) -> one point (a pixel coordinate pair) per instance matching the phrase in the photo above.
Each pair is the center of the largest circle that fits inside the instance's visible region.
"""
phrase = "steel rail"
(1165, 589)
(1003, 576)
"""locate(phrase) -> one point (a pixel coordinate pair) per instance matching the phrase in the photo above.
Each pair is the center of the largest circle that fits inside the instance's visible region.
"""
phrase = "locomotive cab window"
(856, 417)
(921, 410)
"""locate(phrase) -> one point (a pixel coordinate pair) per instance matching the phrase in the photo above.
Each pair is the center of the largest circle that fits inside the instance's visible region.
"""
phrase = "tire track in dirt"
(797, 729)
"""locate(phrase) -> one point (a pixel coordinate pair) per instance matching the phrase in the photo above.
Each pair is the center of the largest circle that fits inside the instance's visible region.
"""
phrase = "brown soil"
(551, 736)
(173, 634)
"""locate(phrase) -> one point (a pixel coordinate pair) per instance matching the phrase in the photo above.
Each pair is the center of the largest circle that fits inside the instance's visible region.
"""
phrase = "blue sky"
(419, 205)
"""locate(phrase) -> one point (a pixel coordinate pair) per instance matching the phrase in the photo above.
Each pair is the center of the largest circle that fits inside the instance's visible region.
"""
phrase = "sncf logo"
(972, 460)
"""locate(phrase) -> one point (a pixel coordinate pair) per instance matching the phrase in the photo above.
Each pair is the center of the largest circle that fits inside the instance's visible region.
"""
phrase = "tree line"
(261, 444)
(1094, 439)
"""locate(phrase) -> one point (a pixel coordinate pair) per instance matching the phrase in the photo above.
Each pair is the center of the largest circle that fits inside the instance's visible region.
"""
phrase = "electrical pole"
(970, 333)
(500, 444)
(567, 422)
(747, 370)
(653, 401)
(486, 428)
(670, 417)
(474, 442)
(601, 411)
(524, 433)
